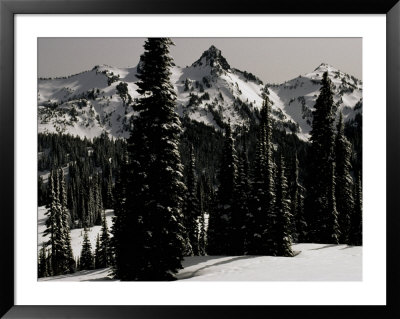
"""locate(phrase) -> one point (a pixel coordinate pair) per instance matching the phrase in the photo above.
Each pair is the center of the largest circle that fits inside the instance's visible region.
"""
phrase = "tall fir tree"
(355, 234)
(191, 208)
(41, 192)
(42, 262)
(320, 200)
(57, 226)
(331, 233)
(220, 228)
(344, 182)
(263, 217)
(91, 205)
(206, 196)
(69, 260)
(202, 237)
(152, 242)
(119, 226)
(54, 226)
(299, 225)
(240, 212)
(97, 254)
(98, 200)
(86, 259)
(109, 195)
(283, 240)
(53, 210)
(105, 254)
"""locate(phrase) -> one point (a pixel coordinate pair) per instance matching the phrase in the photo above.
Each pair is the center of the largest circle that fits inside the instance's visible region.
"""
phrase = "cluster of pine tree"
(333, 201)
(179, 188)
(77, 202)
(102, 256)
(58, 259)
(90, 175)
(252, 214)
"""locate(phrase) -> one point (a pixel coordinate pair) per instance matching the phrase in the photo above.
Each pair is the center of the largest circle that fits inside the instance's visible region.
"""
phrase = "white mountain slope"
(297, 97)
(208, 91)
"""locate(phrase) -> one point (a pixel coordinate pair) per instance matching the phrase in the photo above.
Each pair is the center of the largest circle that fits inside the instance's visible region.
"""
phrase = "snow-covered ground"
(315, 262)
(76, 234)
(83, 275)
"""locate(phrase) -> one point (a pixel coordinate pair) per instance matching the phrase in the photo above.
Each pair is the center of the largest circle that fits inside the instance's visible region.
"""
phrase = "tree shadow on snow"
(194, 260)
(100, 279)
(347, 247)
(326, 246)
(195, 273)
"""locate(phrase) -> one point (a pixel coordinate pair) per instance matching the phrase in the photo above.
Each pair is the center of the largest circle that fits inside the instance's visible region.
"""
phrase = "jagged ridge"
(208, 91)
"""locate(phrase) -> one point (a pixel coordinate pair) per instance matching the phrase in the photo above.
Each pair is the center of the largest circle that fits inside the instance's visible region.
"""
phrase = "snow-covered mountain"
(208, 91)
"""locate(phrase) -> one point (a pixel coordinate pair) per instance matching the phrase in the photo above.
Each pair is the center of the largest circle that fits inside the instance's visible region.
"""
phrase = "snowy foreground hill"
(315, 262)
(208, 91)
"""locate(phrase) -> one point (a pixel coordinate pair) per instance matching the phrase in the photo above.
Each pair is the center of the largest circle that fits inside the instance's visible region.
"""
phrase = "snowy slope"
(76, 234)
(316, 262)
(296, 98)
(208, 91)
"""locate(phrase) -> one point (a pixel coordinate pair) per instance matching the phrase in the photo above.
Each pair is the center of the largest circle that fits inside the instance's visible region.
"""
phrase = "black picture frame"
(9, 8)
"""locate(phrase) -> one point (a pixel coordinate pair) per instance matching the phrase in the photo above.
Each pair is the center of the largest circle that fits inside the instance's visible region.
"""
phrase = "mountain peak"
(212, 57)
(325, 67)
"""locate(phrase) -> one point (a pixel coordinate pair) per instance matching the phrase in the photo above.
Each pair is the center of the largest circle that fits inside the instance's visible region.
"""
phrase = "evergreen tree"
(299, 225)
(42, 263)
(332, 231)
(41, 192)
(109, 196)
(355, 235)
(69, 261)
(98, 201)
(57, 226)
(119, 229)
(202, 241)
(344, 181)
(191, 209)
(91, 206)
(220, 228)
(320, 200)
(97, 263)
(54, 226)
(104, 248)
(86, 260)
(262, 218)
(150, 245)
(205, 194)
(241, 204)
(283, 241)
(48, 263)
(84, 220)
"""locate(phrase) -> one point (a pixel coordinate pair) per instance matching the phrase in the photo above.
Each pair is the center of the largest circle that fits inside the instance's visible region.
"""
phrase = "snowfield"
(315, 262)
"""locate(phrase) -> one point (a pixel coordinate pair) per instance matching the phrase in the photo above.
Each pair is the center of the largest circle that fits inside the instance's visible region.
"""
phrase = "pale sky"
(273, 60)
